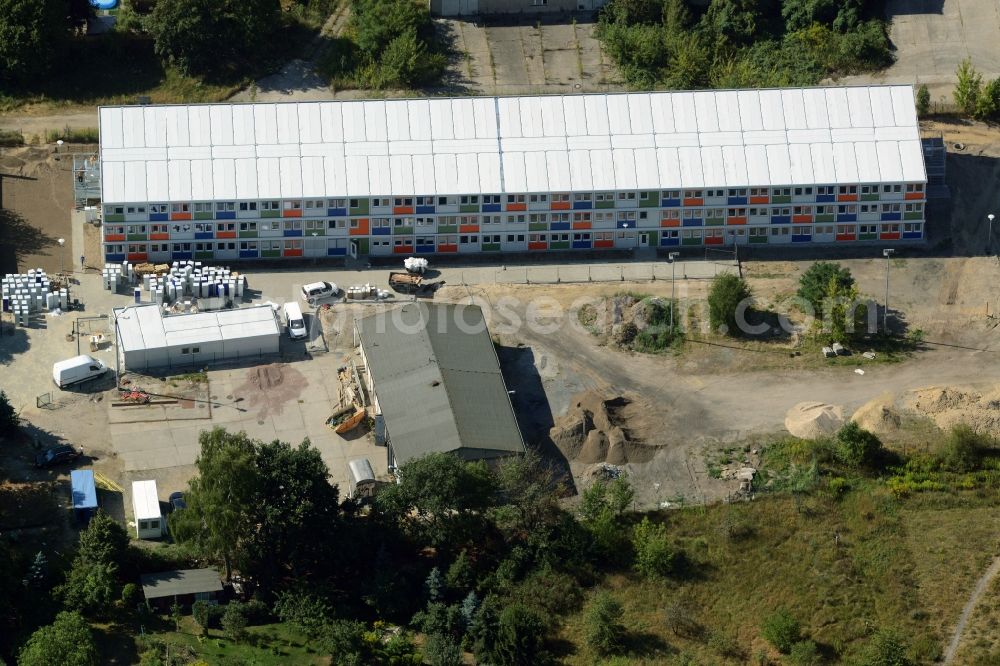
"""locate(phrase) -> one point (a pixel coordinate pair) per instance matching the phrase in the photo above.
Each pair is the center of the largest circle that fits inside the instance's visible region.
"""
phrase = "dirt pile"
(596, 430)
(950, 406)
(878, 416)
(623, 316)
(810, 420)
(268, 387)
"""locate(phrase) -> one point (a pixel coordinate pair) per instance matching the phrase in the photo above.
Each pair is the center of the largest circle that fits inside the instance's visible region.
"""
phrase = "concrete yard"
(533, 55)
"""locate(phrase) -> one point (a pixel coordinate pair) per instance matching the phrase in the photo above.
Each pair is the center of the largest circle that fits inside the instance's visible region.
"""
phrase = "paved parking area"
(534, 55)
(933, 36)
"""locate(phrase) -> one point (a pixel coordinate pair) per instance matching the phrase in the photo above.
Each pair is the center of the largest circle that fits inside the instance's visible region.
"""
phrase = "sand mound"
(878, 416)
(597, 430)
(810, 420)
(950, 406)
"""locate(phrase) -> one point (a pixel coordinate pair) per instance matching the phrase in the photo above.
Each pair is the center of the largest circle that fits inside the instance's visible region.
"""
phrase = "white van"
(77, 369)
(296, 324)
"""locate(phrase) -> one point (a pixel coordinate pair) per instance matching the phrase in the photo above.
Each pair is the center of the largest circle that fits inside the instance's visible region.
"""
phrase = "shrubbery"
(743, 44)
(781, 630)
(605, 631)
(724, 299)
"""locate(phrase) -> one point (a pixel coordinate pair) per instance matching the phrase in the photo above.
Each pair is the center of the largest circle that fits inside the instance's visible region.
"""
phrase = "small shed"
(183, 587)
(84, 489)
(362, 479)
(146, 509)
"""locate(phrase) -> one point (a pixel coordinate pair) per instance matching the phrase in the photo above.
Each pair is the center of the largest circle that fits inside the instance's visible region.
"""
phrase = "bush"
(815, 282)
(202, 614)
(781, 630)
(654, 556)
(681, 616)
(442, 650)
(131, 596)
(856, 447)
(344, 640)
(963, 449)
(726, 295)
(234, 622)
(886, 648)
(804, 653)
(306, 612)
(605, 632)
(10, 422)
(726, 645)
(923, 100)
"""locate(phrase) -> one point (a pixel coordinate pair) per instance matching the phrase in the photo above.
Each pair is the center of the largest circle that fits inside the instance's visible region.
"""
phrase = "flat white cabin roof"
(493, 145)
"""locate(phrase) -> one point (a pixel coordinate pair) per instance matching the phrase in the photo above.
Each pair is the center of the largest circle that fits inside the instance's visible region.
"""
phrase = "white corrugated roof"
(145, 502)
(142, 327)
(485, 145)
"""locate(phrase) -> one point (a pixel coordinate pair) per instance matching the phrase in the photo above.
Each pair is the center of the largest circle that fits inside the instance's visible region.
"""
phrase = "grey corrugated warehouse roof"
(438, 382)
(184, 581)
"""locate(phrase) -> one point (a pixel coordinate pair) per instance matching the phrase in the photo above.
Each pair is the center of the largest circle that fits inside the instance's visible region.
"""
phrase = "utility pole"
(672, 256)
(887, 253)
(989, 237)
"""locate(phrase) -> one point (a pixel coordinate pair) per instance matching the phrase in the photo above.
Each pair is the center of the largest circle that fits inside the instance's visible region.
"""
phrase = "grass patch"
(196, 377)
(11, 138)
(844, 568)
(266, 645)
(71, 135)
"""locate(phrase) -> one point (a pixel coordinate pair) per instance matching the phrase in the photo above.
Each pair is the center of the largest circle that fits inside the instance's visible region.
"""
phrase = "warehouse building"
(149, 339)
(839, 165)
(435, 383)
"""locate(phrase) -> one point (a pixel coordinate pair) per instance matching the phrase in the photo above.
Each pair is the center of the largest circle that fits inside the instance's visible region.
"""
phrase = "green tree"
(234, 622)
(856, 447)
(203, 36)
(725, 296)
(781, 630)
(605, 633)
(10, 422)
(91, 587)
(30, 34)
(681, 616)
(68, 640)
(217, 521)
(814, 285)
(654, 556)
(968, 87)
(885, 648)
(293, 497)
(988, 102)
(520, 636)
(441, 500)
(923, 100)
(176, 613)
(104, 541)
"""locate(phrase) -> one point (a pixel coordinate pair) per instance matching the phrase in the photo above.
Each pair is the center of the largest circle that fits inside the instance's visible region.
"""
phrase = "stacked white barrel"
(191, 279)
(26, 294)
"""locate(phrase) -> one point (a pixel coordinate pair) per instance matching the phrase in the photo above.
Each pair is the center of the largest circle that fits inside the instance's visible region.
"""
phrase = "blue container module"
(84, 494)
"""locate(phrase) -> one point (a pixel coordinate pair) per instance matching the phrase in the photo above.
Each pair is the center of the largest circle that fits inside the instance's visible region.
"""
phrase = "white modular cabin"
(146, 510)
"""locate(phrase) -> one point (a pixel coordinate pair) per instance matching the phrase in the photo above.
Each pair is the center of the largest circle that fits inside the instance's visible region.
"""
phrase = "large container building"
(149, 339)
(837, 165)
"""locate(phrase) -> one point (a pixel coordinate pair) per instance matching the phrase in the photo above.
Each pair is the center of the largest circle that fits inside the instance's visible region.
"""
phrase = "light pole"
(62, 253)
(673, 268)
(887, 253)
(989, 237)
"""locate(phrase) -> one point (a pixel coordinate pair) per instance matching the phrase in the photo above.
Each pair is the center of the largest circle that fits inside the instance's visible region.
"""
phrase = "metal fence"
(584, 273)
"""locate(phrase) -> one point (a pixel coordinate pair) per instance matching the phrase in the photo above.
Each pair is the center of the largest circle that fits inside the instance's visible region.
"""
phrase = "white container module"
(24, 294)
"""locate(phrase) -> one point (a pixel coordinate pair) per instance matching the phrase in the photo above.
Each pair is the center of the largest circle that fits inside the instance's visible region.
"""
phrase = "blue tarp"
(84, 489)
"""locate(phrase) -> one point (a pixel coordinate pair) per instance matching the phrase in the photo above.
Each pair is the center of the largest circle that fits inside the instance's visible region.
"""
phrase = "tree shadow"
(645, 644)
(21, 238)
(13, 340)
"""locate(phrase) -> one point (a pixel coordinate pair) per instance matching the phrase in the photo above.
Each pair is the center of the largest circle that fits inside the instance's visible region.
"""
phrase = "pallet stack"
(27, 294)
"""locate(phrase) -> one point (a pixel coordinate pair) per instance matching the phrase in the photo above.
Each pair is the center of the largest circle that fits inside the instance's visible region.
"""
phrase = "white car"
(317, 291)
